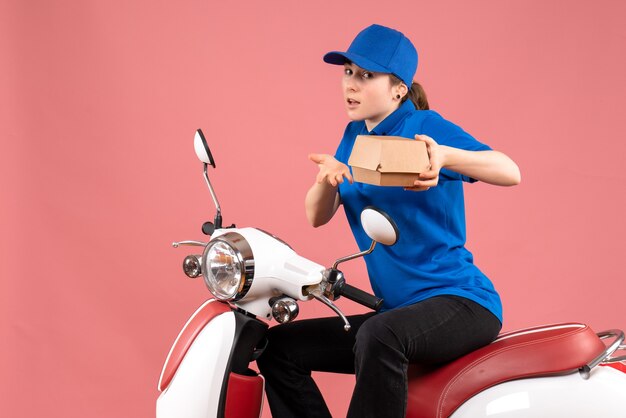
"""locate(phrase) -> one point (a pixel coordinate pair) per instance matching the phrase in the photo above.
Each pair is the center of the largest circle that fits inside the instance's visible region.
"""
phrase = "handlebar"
(358, 296)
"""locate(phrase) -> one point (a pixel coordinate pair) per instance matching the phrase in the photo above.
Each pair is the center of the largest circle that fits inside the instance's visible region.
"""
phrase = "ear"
(400, 89)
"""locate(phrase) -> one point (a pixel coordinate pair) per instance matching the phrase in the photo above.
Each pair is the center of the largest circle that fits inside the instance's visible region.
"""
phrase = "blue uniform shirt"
(430, 257)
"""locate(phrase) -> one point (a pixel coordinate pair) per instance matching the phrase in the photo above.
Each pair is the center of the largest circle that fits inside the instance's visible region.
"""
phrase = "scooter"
(547, 371)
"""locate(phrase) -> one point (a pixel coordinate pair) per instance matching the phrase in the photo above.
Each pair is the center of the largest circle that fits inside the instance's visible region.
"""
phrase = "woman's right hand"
(331, 170)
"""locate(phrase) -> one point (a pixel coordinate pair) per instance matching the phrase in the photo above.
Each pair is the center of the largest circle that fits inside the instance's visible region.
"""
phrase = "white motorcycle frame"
(197, 387)
(206, 372)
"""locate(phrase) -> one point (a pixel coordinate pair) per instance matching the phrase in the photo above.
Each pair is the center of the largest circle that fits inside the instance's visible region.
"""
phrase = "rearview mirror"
(379, 226)
(202, 148)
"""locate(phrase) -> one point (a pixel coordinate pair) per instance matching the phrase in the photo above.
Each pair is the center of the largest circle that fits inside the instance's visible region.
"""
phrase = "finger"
(427, 175)
(416, 189)
(320, 178)
(425, 138)
(346, 173)
(422, 138)
(317, 158)
(426, 183)
(339, 178)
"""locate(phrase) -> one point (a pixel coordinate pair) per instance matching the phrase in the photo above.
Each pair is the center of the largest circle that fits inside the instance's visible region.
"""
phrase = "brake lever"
(190, 243)
(317, 294)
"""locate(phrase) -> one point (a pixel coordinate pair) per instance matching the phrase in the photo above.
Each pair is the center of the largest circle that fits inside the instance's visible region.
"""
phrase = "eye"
(347, 71)
(367, 75)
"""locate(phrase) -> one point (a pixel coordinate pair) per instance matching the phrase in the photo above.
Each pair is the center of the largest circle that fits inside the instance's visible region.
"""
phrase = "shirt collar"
(388, 124)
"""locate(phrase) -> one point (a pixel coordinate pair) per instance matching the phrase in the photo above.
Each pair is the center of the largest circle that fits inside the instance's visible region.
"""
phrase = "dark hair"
(416, 93)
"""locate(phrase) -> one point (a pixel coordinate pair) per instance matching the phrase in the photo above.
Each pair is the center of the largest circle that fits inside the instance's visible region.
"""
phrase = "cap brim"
(340, 58)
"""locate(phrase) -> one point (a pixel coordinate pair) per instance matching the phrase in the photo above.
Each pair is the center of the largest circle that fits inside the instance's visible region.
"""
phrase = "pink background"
(99, 102)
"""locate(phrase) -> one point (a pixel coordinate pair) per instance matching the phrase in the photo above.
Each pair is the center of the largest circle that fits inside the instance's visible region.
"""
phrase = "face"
(368, 96)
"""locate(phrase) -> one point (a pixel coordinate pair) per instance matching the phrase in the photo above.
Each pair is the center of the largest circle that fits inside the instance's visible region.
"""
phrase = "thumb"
(425, 138)
(317, 158)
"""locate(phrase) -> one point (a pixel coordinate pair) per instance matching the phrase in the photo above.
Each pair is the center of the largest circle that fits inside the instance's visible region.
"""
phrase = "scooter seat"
(540, 351)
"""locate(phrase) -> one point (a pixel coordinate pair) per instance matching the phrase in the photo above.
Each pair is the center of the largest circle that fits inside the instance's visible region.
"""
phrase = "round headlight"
(228, 266)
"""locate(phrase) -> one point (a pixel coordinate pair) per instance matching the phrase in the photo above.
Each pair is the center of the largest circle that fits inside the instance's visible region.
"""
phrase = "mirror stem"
(353, 256)
(218, 215)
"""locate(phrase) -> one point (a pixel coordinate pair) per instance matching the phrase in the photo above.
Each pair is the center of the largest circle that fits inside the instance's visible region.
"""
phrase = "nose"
(349, 84)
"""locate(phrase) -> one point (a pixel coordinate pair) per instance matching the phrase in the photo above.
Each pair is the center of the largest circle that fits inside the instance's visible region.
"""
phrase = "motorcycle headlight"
(192, 266)
(228, 266)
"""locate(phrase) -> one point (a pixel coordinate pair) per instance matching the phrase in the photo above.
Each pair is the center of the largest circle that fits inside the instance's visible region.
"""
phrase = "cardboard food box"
(388, 160)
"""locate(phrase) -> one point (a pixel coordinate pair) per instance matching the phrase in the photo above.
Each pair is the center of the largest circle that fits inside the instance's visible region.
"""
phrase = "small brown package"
(388, 160)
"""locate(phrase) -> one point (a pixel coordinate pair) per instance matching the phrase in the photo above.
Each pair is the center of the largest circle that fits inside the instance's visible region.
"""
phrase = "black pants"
(377, 349)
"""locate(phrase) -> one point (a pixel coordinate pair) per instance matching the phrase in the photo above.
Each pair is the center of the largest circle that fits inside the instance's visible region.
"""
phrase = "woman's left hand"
(429, 178)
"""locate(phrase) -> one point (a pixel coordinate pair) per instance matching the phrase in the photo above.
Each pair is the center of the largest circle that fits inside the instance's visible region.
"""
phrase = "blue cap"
(380, 49)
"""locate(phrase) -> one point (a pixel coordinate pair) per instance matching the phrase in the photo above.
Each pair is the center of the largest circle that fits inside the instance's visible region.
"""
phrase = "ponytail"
(417, 96)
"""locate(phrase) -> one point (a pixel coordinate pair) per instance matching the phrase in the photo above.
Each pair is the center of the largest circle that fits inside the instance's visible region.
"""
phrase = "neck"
(370, 124)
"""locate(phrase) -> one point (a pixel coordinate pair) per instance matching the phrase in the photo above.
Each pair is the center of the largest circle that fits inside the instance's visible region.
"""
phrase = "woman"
(437, 304)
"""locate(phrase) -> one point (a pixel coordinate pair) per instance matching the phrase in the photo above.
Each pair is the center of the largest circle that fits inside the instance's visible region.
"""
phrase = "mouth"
(352, 102)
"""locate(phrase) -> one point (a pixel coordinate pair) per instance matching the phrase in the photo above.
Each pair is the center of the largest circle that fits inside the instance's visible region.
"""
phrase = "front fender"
(194, 372)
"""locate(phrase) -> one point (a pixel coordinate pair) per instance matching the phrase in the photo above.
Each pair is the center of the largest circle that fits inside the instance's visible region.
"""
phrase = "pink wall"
(99, 102)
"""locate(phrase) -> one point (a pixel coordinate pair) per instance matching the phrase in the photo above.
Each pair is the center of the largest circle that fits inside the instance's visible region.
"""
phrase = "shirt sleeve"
(449, 134)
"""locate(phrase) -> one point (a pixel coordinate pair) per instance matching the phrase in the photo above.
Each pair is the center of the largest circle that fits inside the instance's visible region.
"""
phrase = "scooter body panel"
(570, 396)
(278, 269)
(244, 398)
(196, 323)
(195, 389)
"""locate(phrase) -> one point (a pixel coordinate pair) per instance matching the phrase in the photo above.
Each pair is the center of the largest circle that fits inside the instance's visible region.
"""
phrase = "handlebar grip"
(360, 296)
